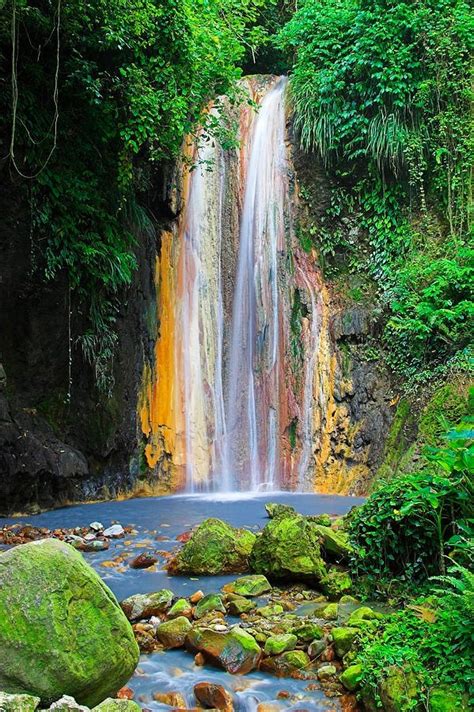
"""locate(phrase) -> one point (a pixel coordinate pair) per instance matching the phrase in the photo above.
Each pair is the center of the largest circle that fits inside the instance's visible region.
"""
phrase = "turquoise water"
(158, 521)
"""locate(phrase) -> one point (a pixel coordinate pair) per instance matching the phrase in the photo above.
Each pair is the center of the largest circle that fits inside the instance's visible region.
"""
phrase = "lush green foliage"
(381, 90)
(432, 638)
(101, 94)
(409, 523)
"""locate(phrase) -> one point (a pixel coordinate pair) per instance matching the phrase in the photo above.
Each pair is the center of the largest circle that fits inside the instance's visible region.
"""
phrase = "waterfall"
(251, 452)
(228, 403)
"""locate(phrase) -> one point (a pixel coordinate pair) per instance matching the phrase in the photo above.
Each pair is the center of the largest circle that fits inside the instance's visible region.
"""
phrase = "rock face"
(214, 548)
(289, 549)
(68, 634)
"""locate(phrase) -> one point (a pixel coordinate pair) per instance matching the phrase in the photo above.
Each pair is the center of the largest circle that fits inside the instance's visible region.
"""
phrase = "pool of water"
(158, 521)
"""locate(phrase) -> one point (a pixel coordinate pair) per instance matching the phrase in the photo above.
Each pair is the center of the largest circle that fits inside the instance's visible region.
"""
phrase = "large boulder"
(288, 548)
(236, 650)
(214, 548)
(61, 629)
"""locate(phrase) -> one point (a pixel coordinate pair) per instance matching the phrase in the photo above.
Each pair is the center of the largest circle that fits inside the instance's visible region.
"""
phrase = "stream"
(158, 522)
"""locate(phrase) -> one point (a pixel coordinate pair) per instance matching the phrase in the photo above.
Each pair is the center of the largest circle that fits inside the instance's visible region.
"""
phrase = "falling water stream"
(231, 409)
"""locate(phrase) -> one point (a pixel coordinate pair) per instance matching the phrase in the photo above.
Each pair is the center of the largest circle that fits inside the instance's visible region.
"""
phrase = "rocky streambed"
(278, 636)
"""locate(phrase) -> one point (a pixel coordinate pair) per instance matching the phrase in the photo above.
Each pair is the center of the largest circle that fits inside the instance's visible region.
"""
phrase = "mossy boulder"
(18, 703)
(351, 677)
(277, 644)
(330, 612)
(249, 586)
(172, 634)
(275, 510)
(62, 630)
(323, 519)
(214, 548)
(287, 664)
(445, 699)
(361, 615)
(399, 690)
(113, 705)
(288, 548)
(335, 543)
(146, 605)
(181, 607)
(308, 631)
(270, 611)
(236, 650)
(238, 605)
(211, 602)
(343, 639)
(336, 583)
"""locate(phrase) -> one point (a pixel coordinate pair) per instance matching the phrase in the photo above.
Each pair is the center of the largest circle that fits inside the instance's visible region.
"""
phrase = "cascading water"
(251, 452)
(228, 403)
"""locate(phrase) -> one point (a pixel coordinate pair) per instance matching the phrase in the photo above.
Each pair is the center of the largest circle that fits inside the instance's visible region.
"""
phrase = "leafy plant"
(403, 529)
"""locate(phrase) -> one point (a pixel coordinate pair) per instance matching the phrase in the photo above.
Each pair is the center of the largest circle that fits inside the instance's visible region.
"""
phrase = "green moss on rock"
(343, 638)
(18, 703)
(61, 629)
(288, 548)
(335, 543)
(211, 602)
(112, 705)
(236, 650)
(214, 548)
(146, 605)
(172, 634)
(444, 699)
(351, 677)
(249, 586)
(277, 644)
(336, 583)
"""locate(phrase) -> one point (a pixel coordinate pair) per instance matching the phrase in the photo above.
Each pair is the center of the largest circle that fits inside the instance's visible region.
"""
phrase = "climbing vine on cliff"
(381, 91)
(95, 97)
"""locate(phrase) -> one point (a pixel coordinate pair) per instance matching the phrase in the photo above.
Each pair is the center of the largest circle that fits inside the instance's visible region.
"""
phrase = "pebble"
(116, 530)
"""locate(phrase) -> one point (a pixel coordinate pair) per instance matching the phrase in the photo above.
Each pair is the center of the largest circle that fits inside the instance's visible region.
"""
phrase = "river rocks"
(68, 634)
(316, 648)
(330, 612)
(116, 531)
(209, 694)
(238, 605)
(270, 611)
(351, 677)
(359, 617)
(343, 639)
(287, 664)
(113, 705)
(308, 631)
(236, 651)
(18, 703)
(211, 602)
(326, 672)
(172, 634)
(146, 605)
(277, 644)
(181, 608)
(143, 561)
(288, 548)
(275, 510)
(67, 704)
(214, 548)
(335, 543)
(336, 583)
(249, 586)
(172, 699)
